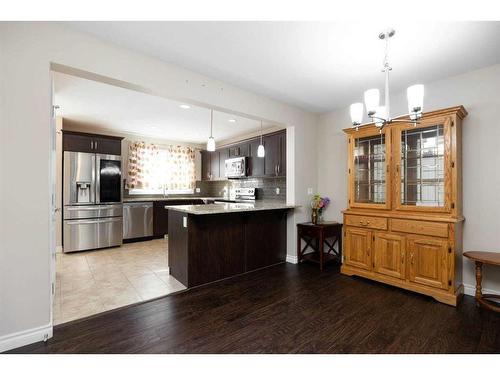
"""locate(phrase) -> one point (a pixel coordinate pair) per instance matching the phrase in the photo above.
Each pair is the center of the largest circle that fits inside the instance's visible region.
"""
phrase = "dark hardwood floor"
(284, 309)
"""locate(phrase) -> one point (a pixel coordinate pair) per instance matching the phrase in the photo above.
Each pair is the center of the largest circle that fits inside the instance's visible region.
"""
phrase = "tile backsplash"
(265, 187)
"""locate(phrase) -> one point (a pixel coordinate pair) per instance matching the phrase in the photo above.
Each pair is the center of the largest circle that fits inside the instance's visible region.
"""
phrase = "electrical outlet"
(198, 190)
(310, 191)
(277, 191)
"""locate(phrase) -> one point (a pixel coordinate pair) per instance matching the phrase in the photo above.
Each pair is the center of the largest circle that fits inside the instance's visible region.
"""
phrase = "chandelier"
(380, 114)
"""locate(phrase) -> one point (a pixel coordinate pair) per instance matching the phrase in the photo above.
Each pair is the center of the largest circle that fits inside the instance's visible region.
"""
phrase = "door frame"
(52, 198)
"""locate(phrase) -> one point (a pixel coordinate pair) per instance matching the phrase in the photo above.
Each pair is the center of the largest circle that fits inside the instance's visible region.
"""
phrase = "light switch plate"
(198, 190)
(310, 191)
(185, 222)
(277, 191)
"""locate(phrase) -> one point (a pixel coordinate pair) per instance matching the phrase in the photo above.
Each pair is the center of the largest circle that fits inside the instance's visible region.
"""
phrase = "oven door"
(108, 183)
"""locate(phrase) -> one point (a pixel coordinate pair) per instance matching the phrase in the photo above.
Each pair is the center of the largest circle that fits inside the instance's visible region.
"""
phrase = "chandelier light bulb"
(356, 113)
(372, 100)
(415, 95)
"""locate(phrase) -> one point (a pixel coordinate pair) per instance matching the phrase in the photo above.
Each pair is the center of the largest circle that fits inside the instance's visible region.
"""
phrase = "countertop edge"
(189, 210)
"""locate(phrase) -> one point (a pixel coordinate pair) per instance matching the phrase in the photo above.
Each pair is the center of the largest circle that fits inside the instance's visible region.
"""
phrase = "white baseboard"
(470, 290)
(291, 259)
(17, 339)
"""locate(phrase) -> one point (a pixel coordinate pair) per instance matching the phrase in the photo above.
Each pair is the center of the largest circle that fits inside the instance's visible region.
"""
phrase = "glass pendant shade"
(356, 113)
(372, 100)
(415, 100)
(211, 144)
(382, 113)
(261, 152)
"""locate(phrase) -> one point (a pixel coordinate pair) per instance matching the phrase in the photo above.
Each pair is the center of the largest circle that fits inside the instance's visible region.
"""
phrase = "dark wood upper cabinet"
(108, 146)
(256, 164)
(77, 142)
(215, 165)
(272, 158)
(282, 160)
(223, 156)
(91, 143)
(205, 165)
(272, 165)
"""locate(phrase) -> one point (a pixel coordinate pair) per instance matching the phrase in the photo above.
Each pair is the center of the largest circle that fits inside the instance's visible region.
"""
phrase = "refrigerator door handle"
(97, 178)
(93, 189)
(90, 208)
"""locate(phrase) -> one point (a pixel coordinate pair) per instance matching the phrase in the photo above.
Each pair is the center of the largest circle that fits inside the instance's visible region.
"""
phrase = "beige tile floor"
(91, 282)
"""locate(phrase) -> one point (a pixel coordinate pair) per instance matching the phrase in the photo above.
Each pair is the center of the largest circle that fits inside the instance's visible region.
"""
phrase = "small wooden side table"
(316, 236)
(480, 258)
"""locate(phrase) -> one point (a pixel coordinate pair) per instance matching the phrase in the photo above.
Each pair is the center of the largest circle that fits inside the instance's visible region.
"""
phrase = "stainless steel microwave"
(236, 167)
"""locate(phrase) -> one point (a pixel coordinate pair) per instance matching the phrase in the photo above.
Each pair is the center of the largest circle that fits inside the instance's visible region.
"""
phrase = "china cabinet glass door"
(422, 182)
(368, 172)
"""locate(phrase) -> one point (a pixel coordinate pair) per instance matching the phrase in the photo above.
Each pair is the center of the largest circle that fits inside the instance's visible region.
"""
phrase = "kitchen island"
(215, 241)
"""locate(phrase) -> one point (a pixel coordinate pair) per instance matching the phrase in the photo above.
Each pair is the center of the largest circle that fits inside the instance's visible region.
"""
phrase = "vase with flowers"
(318, 204)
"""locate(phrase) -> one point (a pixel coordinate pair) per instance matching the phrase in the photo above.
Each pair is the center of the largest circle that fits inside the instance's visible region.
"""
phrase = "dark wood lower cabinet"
(160, 219)
(160, 214)
(265, 239)
(214, 247)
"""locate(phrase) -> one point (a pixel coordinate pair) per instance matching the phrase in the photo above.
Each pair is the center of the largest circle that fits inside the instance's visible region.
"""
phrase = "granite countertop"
(151, 199)
(224, 208)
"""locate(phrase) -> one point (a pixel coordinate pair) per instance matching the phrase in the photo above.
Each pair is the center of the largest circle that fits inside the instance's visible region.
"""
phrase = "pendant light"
(211, 140)
(261, 152)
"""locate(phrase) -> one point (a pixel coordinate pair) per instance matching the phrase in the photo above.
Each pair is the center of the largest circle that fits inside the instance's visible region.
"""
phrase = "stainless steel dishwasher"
(137, 220)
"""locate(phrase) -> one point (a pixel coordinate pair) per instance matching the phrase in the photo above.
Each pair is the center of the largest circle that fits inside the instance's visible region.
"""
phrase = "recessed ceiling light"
(185, 106)
(232, 120)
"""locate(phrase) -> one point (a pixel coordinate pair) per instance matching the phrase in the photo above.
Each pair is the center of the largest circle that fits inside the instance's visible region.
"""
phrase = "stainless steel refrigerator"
(92, 198)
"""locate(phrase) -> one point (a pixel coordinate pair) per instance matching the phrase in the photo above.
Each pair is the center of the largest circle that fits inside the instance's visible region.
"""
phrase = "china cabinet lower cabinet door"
(389, 255)
(357, 248)
(428, 262)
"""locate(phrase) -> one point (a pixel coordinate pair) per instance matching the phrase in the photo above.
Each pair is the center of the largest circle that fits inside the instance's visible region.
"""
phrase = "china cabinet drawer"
(366, 221)
(427, 228)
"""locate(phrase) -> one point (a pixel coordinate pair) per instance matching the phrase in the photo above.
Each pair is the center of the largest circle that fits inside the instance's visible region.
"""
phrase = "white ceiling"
(102, 106)
(318, 66)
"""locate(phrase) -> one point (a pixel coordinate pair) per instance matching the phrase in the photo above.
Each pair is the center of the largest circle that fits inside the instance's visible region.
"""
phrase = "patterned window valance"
(153, 168)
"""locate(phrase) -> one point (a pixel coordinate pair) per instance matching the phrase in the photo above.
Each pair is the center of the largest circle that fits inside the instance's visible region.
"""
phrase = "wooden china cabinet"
(403, 225)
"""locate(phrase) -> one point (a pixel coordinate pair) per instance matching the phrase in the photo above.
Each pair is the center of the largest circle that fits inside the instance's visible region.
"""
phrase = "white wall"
(479, 93)
(27, 49)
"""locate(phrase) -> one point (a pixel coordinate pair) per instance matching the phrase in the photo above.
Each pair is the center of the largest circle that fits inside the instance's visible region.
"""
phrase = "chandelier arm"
(405, 121)
(379, 118)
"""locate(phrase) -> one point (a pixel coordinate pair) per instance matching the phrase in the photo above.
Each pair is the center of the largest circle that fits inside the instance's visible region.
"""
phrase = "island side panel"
(178, 246)
(216, 247)
(265, 239)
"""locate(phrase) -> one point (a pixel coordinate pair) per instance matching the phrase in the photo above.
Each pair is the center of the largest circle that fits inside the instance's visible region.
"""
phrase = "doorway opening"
(111, 225)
